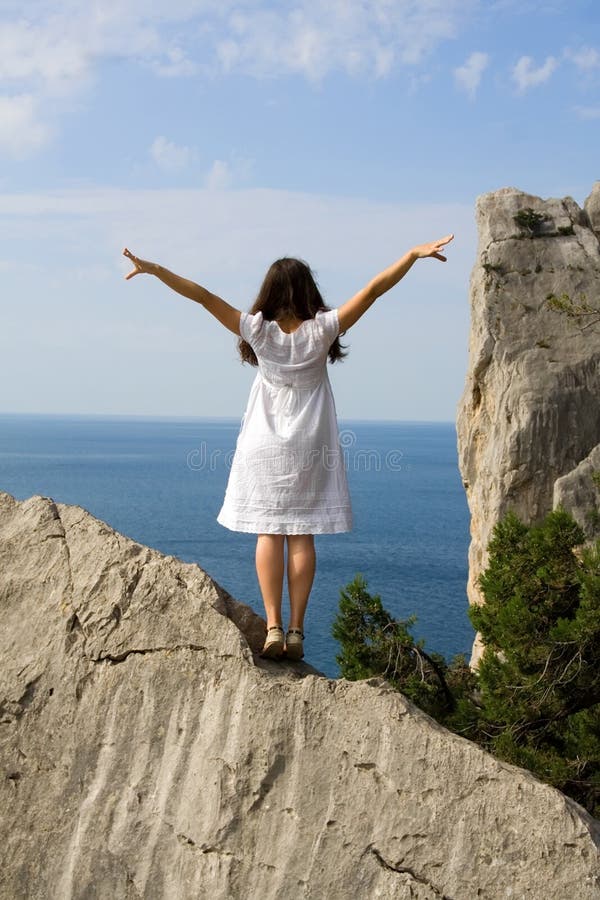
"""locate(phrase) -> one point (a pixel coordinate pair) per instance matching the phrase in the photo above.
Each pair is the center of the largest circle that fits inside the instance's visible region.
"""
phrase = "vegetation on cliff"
(534, 699)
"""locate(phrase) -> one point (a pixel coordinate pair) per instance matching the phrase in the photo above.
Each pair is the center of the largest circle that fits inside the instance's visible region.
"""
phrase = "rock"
(147, 752)
(592, 207)
(579, 493)
(529, 411)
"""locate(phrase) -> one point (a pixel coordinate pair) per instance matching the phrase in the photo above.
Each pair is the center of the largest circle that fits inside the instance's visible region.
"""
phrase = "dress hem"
(292, 528)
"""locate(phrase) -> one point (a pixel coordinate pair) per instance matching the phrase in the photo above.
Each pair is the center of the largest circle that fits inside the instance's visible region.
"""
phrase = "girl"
(287, 480)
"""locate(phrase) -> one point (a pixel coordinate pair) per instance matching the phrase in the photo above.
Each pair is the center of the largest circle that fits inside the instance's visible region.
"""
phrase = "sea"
(161, 481)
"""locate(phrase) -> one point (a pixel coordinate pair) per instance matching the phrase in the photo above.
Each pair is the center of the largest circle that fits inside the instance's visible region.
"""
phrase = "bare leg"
(269, 568)
(301, 564)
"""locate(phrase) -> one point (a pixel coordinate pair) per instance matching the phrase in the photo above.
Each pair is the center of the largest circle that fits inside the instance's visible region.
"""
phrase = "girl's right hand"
(141, 265)
(433, 249)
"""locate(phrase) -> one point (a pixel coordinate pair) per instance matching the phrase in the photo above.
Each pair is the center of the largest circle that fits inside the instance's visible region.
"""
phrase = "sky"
(215, 136)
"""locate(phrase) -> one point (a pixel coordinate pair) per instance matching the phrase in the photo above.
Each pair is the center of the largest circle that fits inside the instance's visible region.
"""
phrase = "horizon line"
(182, 417)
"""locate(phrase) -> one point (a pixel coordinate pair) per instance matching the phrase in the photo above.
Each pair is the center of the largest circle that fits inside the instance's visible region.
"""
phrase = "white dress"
(288, 474)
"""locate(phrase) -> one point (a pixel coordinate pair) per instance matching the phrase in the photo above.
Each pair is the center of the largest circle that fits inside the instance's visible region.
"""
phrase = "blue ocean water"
(162, 481)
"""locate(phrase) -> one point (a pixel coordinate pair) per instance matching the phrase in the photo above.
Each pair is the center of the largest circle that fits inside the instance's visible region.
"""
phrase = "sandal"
(273, 647)
(293, 643)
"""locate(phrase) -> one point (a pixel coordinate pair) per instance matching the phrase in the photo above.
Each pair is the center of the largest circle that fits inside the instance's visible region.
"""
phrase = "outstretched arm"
(351, 311)
(228, 315)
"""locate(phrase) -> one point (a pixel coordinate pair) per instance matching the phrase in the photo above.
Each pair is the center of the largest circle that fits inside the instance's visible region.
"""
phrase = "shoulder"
(328, 323)
(251, 326)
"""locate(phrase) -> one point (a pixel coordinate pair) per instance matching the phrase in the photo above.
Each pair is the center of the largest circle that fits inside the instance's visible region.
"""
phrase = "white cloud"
(469, 74)
(178, 64)
(314, 38)
(169, 156)
(586, 58)
(179, 37)
(54, 48)
(41, 54)
(219, 176)
(588, 112)
(526, 76)
(22, 132)
(225, 173)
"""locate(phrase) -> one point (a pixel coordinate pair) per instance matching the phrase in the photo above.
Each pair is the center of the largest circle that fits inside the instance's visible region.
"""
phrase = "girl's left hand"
(141, 265)
(433, 249)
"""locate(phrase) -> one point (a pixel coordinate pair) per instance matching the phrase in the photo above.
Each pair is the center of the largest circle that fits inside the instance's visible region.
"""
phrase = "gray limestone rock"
(529, 412)
(146, 751)
(579, 493)
(592, 207)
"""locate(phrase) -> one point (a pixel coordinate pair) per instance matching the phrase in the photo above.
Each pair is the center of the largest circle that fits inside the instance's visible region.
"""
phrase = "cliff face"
(147, 752)
(579, 492)
(529, 413)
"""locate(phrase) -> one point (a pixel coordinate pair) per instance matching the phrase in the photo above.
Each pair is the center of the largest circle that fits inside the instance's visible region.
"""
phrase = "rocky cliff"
(146, 751)
(530, 410)
(579, 492)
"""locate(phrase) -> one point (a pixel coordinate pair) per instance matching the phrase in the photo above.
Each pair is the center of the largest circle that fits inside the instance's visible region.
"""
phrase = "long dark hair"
(289, 290)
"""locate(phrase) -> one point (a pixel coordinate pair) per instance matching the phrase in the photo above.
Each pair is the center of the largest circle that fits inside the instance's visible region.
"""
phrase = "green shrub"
(539, 676)
(373, 643)
(583, 312)
(529, 221)
(534, 699)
